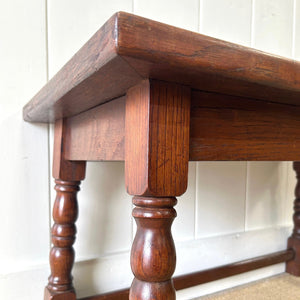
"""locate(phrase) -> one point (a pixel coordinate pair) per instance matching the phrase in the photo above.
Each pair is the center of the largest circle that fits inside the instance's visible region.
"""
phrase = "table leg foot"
(50, 295)
(152, 290)
(293, 266)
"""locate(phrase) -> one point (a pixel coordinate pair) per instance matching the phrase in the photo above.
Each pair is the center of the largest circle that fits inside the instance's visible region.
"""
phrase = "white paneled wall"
(71, 23)
(228, 20)
(24, 212)
(296, 31)
(273, 26)
(229, 207)
(213, 215)
(266, 189)
(184, 14)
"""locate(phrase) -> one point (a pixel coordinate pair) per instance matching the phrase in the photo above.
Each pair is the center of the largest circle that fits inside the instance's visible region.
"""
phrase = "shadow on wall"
(266, 192)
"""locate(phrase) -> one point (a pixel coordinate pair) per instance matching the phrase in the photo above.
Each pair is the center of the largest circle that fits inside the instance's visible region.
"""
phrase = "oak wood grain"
(222, 127)
(62, 168)
(97, 134)
(94, 75)
(156, 169)
(129, 48)
(68, 175)
(233, 128)
(153, 256)
(157, 139)
(62, 254)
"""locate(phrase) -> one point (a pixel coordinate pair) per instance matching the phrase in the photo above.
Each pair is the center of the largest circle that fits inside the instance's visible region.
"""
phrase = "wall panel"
(72, 22)
(266, 194)
(273, 26)
(221, 189)
(184, 14)
(227, 20)
(24, 209)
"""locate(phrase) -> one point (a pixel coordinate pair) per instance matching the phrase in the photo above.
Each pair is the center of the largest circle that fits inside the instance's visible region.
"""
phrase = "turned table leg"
(156, 167)
(153, 256)
(67, 176)
(293, 266)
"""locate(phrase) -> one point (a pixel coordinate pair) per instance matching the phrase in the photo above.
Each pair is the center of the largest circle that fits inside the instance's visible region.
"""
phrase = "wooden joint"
(157, 125)
(68, 175)
(64, 169)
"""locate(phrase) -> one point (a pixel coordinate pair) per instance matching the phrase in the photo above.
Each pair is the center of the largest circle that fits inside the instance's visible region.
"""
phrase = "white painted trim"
(96, 276)
(99, 275)
(219, 285)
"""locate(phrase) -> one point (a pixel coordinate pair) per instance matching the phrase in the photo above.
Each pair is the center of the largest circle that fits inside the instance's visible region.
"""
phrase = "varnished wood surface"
(153, 256)
(156, 170)
(97, 134)
(157, 139)
(205, 276)
(222, 127)
(49, 295)
(128, 49)
(95, 74)
(117, 295)
(68, 175)
(247, 265)
(234, 128)
(62, 254)
(62, 168)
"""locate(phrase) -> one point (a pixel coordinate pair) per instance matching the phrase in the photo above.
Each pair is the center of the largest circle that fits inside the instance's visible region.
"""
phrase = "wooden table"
(157, 96)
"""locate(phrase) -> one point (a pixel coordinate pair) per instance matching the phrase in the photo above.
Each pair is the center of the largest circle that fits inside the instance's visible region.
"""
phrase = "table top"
(128, 49)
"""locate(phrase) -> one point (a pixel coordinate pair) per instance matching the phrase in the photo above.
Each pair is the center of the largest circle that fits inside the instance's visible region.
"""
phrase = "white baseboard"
(112, 272)
(216, 251)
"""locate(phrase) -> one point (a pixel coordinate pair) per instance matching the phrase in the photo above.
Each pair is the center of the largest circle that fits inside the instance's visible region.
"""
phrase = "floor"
(280, 287)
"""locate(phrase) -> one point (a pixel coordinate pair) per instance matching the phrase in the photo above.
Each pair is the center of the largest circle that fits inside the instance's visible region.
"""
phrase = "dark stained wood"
(153, 256)
(67, 176)
(50, 295)
(157, 139)
(251, 264)
(62, 168)
(156, 168)
(293, 266)
(65, 212)
(128, 48)
(222, 128)
(97, 134)
(116, 295)
(196, 278)
(205, 63)
(234, 128)
(94, 75)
